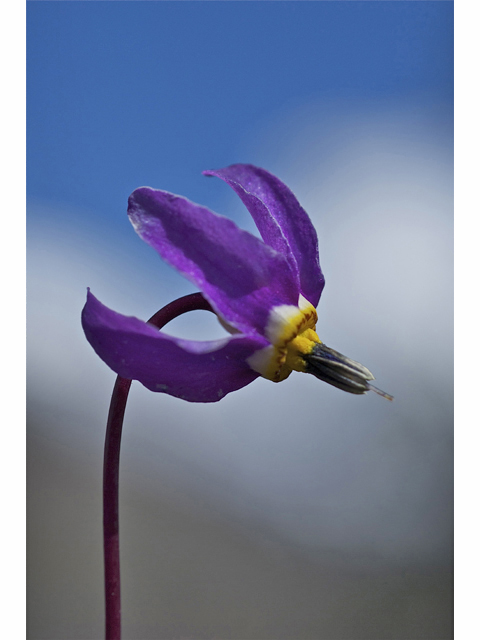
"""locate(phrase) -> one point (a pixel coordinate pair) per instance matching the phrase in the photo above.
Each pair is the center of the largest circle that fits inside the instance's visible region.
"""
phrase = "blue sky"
(351, 104)
(128, 93)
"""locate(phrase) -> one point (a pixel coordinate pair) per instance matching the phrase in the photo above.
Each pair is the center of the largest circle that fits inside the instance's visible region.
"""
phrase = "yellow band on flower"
(291, 332)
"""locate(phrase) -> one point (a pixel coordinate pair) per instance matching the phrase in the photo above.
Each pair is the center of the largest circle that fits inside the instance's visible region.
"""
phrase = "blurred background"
(283, 512)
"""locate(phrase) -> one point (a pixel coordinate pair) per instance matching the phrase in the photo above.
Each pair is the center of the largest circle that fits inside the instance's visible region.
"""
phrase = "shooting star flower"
(264, 293)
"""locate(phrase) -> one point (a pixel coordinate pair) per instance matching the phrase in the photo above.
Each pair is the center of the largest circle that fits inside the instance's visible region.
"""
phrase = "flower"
(264, 293)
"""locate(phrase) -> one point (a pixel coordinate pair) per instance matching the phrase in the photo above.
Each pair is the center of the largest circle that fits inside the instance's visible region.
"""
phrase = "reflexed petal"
(194, 371)
(282, 222)
(241, 277)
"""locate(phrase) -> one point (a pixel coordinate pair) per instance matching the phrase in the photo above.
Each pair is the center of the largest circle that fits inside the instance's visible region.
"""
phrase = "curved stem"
(111, 460)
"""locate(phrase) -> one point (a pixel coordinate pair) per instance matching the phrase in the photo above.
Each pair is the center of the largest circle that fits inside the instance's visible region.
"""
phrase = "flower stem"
(192, 302)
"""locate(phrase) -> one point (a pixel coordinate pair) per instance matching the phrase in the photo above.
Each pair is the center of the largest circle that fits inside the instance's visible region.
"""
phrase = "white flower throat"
(291, 332)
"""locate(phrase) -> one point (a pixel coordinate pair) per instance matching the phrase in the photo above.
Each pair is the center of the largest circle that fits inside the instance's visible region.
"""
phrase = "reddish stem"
(111, 461)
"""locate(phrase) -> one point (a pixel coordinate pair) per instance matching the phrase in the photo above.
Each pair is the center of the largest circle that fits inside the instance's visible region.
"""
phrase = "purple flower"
(263, 292)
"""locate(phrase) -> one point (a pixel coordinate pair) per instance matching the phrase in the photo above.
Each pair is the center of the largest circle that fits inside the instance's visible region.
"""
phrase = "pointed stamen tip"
(336, 369)
(380, 392)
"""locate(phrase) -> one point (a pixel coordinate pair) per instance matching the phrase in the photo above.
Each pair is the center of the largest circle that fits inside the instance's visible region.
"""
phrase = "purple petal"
(282, 222)
(241, 276)
(194, 371)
